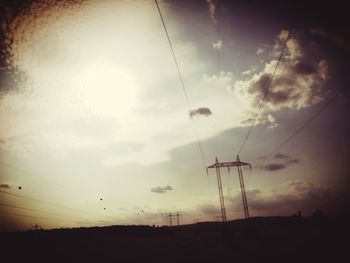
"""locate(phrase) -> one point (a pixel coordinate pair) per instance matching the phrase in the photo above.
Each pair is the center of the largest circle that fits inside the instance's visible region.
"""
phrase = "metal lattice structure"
(217, 165)
(171, 215)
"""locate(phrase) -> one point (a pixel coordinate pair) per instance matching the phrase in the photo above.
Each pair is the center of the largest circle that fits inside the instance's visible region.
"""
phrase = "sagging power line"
(182, 83)
(265, 94)
(296, 132)
(49, 204)
(37, 210)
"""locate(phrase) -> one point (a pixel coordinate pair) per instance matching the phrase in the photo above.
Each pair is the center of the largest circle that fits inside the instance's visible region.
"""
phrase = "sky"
(97, 129)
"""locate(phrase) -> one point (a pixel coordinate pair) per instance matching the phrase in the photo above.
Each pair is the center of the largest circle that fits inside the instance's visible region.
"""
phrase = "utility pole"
(217, 218)
(37, 227)
(170, 219)
(239, 165)
(178, 218)
(177, 215)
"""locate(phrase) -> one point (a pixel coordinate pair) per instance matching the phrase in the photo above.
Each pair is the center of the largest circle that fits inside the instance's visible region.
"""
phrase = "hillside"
(282, 239)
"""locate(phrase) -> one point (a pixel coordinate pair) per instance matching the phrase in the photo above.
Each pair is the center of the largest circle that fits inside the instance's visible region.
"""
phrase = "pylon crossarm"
(228, 164)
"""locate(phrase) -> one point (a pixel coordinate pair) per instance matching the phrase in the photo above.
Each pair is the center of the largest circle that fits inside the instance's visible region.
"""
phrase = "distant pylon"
(178, 218)
(170, 219)
(239, 165)
(171, 215)
(217, 218)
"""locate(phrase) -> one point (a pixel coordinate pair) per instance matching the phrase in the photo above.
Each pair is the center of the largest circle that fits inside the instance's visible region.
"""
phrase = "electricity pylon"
(239, 165)
(170, 219)
(177, 215)
(221, 195)
(178, 218)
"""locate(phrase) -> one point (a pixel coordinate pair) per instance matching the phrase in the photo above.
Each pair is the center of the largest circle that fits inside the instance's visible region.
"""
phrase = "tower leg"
(243, 193)
(221, 195)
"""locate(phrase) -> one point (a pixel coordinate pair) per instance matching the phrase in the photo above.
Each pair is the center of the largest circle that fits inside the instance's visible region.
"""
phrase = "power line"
(266, 92)
(218, 63)
(37, 210)
(47, 203)
(59, 187)
(22, 173)
(37, 217)
(21, 215)
(290, 137)
(182, 82)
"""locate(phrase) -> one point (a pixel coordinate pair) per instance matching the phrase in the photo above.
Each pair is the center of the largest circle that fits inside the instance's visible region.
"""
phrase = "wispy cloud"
(267, 119)
(161, 190)
(288, 198)
(217, 44)
(209, 209)
(212, 9)
(260, 51)
(281, 156)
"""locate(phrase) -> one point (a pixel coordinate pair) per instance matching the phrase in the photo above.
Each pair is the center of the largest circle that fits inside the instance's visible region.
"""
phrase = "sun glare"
(107, 91)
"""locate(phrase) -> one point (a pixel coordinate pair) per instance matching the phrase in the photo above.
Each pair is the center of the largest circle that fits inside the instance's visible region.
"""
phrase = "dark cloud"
(6, 186)
(161, 190)
(340, 40)
(274, 167)
(287, 160)
(293, 161)
(304, 69)
(209, 209)
(301, 196)
(200, 111)
(295, 85)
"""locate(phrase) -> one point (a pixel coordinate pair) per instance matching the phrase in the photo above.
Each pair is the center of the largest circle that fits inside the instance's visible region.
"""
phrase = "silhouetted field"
(277, 239)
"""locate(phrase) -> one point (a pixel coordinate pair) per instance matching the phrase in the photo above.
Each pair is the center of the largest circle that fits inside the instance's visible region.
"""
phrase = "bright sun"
(107, 91)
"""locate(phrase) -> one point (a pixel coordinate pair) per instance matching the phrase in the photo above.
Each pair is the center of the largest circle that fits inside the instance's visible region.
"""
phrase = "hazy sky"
(95, 127)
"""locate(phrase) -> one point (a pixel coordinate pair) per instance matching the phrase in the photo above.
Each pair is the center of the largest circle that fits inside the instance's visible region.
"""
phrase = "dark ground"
(268, 239)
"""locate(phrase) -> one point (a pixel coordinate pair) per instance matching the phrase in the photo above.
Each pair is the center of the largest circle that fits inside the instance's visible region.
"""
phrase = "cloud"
(308, 189)
(200, 111)
(260, 51)
(286, 198)
(209, 209)
(211, 9)
(287, 160)
(217, 44)
(223, 80)
(274, 167)
(248, 72)
(292, 161)
(261, 119)
(303, 69)
(296, 84)
(84, 115)
(6, 186)
(281, 156)
(161, 190)
(339, 40)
